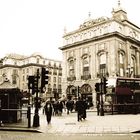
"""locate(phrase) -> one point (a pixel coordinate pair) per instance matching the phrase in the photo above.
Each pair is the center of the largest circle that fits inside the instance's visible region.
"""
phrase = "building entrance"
(86, 93)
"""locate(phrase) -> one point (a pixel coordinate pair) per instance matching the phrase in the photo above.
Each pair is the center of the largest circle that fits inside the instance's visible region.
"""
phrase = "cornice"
(97, 38)
(27, 65)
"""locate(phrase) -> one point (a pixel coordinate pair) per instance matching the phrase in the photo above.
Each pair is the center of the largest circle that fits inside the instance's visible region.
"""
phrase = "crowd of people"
(56, 108)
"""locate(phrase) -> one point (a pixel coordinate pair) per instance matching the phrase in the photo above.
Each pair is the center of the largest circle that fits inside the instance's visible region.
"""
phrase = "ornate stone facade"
(103, 46)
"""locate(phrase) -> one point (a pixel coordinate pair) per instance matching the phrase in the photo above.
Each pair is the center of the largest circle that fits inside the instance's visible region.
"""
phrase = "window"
(103, 59)
(133, 64)
(23, 78)
(23, 71)
(121, 63)
(14, 79)
(59, 80)
(14, 76)
(54, 79)
(54, 86)
(102, 62)
(121, 58)
(27, 70)
(85, 66)
(54, 71)
(59, 86)
(71, 68)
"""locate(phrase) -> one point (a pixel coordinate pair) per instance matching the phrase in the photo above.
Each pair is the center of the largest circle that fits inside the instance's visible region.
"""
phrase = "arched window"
(121, 64)
(133, 65)
(103, 58)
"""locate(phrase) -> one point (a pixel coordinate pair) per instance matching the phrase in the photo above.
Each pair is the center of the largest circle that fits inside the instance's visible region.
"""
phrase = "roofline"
(27, 65)
(107, 35)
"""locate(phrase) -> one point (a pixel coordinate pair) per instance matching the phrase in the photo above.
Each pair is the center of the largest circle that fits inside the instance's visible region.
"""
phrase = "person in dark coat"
(68, 106)
(79, 109)
(84, 109)
(60, 107)
(48, 111)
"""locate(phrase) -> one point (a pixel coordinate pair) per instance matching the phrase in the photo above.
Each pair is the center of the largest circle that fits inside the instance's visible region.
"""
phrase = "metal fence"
(129, 108)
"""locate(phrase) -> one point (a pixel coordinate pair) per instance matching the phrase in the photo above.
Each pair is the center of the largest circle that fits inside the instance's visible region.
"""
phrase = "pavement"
(68, 124)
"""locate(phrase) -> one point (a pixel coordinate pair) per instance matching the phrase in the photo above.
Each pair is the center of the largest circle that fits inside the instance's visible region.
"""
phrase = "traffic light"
(33, 84)
(105, 85)
(30, 82)
(97, 87)
(44, 78)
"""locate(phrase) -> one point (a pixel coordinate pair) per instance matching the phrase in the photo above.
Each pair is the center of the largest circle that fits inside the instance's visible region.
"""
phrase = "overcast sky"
(29, 26)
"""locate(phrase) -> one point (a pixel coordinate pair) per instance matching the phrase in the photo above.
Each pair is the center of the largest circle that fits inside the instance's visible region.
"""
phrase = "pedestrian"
(43, 110)
(84, 109)
(60, 108)
(68, 106)
(98, 108)
(79, 109)
(48, 111)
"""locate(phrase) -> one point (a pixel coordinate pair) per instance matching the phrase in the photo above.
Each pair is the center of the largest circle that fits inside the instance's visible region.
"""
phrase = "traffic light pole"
(29, 111)
(36, 116)
(101, 98)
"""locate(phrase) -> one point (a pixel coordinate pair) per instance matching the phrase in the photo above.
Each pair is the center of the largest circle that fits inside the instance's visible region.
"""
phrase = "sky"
(30, 26)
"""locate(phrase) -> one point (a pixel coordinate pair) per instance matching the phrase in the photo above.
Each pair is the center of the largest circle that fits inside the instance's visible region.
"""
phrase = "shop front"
(10, 103)
(86, 93)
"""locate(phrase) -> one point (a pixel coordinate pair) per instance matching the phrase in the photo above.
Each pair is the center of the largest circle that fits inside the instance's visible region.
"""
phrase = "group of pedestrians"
(69, 106)
(56, 108)
(81, 106)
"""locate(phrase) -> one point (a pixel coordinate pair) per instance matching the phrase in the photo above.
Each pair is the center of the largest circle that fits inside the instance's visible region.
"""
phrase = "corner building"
(17, 68)
(103, 46)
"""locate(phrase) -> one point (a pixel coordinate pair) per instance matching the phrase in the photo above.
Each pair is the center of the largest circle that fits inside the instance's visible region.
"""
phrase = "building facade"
(16, 68)
(100, 47)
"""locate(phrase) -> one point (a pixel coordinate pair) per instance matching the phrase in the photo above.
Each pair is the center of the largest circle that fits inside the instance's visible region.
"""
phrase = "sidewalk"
(93, 124)
(68, 124)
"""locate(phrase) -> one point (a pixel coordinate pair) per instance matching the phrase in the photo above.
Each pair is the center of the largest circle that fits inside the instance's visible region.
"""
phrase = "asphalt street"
(45, 136)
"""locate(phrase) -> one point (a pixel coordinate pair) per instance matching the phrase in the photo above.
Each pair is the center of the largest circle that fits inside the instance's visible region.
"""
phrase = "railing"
(86, 77)
(130, 108)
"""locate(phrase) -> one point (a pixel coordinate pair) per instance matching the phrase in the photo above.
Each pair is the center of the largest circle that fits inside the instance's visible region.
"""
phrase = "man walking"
(79, 109)
(48, 111)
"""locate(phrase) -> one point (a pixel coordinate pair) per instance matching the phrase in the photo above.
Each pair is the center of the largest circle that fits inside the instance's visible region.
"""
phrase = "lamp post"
(129, 71)
(78, 91)
(36, 115)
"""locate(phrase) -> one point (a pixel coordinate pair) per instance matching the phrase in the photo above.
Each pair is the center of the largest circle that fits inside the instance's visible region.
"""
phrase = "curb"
(20, 129)
(138, 131)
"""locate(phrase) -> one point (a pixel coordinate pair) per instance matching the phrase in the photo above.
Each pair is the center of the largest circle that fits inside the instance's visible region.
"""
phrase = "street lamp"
(129, 70)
